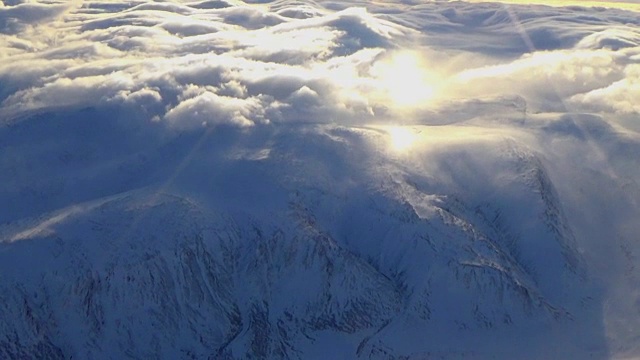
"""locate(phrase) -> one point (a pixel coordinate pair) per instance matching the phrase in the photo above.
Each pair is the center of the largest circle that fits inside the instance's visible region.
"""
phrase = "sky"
(436, 79)
(620, 4)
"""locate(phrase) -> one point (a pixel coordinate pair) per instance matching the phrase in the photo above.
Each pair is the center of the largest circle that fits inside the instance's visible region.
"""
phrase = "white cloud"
(618, 97)
(229, 62)
(209, 108)
(105, 50)
(547, 78)
(238, 51)
(614, 38)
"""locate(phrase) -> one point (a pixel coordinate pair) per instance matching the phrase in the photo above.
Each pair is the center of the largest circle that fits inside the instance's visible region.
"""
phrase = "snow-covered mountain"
(321, 247)
(174, 187)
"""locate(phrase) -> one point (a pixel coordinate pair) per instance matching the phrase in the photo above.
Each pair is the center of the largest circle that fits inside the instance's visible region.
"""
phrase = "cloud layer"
(225, 62)
(244, 64)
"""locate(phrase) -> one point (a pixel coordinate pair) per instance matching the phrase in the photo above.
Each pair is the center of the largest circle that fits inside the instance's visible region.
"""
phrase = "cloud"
(209, 108)
(546, 78)
(15, 18)
(305, 62)
(279, 51)
(612, 38)
(227, 51)
(618, 97)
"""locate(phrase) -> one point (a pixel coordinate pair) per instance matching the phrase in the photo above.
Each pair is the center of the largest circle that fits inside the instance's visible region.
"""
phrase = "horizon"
(619, 4)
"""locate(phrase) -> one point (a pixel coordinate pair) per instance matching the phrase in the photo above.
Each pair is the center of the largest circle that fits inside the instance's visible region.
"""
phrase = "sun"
(404, 79)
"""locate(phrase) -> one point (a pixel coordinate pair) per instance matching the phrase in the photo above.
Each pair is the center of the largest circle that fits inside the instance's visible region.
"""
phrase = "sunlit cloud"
(405, 79)
(547, 79)
(402, 138)
(301, 64)
(209, 108)
(618, 97)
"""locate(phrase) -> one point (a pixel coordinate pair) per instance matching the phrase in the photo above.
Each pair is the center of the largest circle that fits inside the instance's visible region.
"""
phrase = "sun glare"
(402, 138)
(405, 80)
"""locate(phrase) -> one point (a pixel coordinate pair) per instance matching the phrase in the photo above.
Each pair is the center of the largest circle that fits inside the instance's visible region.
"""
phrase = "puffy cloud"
(209, 108)
(231, 51)
(619, 97)
(307, 62)
(146, 54)
(546, 79)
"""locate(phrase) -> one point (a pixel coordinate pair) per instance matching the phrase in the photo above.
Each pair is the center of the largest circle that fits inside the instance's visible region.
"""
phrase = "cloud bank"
(223, 62)
(181, 62)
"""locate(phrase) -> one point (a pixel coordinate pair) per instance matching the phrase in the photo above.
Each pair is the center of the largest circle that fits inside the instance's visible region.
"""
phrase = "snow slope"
(327, 242)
